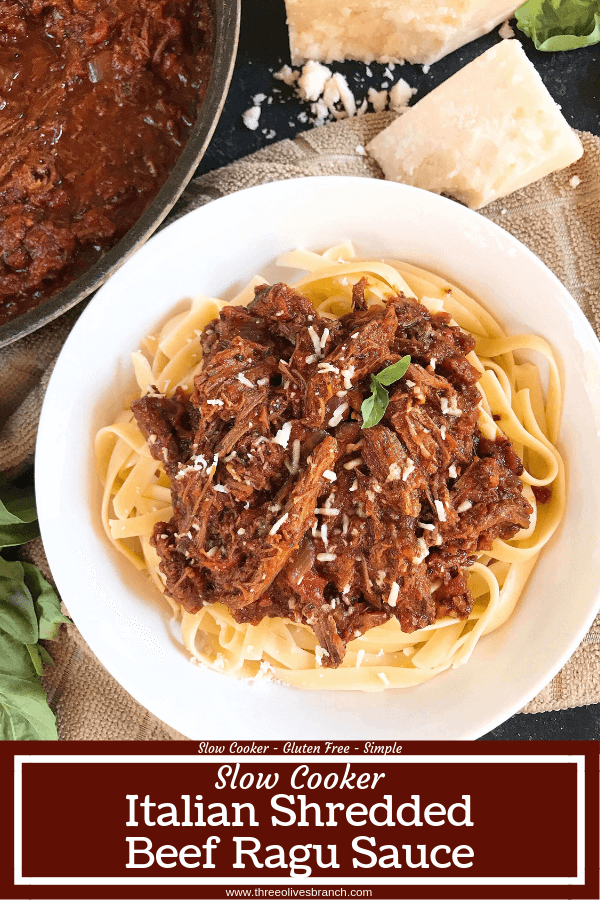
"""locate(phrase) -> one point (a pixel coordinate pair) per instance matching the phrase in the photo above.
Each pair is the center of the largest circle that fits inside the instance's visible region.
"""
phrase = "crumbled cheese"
(320, 652)
(324, 535)
(245, 381)
(440, 510)
(287, 75)
(283, 435)
(251, 117)
(275, 528)
(320, 111)
(454, 410)
(326, 557)
(312, 80)
(354, 463)
(329, 475)
(393, 594)
(345, 523)
(338, 415)
(575, 181)
(400, 95)
(220, 488)
(347, 376)
(377, 99)
(360, 151)
(394, 473)
(326, 511)
(464, 506)
(423, 551)
(408, 469)
(452, 472)
(426, 526)
(316, 341)
(345, 94)
(215, 402)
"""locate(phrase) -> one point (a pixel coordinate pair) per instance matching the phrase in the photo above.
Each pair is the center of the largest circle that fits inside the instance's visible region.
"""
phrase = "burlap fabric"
(559, 222)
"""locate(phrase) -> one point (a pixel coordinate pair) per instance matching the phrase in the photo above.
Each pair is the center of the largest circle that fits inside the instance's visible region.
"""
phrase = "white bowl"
(214, 250)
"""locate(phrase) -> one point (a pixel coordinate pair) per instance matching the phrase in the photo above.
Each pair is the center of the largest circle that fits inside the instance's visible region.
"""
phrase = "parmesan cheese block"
(419, 31)
(485, 132)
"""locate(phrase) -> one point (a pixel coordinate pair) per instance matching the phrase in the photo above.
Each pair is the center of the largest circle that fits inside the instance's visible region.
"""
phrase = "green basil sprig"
(560, 24)
(374, 407)
(29, 612)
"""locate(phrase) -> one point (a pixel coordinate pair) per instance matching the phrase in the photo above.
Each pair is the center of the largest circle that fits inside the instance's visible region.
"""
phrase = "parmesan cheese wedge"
(487, 131)
(419, 31)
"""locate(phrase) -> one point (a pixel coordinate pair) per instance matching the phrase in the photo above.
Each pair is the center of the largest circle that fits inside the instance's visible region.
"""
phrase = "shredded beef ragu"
(284, 506)
(97, 98)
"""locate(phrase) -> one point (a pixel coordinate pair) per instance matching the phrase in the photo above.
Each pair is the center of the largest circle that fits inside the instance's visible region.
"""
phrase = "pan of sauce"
(106, 109)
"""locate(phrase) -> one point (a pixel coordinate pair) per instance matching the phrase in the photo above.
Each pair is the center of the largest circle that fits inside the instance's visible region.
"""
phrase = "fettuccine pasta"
(513, 402)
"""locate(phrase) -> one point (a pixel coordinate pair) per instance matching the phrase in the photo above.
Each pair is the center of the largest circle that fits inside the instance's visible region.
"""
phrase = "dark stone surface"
(572, 78)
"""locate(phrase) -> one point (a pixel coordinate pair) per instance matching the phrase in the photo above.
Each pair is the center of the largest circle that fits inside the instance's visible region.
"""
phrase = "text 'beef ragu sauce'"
(96, 99)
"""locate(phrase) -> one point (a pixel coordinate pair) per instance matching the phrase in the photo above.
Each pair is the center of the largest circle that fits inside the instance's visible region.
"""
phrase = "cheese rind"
(388, 30)
(487, 131)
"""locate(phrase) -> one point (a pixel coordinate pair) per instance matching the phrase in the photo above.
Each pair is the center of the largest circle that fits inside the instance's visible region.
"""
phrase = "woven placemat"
(559, 222)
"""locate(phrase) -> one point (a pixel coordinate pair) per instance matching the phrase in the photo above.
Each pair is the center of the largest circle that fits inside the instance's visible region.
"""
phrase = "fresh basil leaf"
(24, 711)
(394, 372)
(44, 655)
(36, 659)
(15, 535)
(46, 601)
(17, 507)
(15, 658)
(18, 516)
(374, 407)
(17, 612)
(560, 24)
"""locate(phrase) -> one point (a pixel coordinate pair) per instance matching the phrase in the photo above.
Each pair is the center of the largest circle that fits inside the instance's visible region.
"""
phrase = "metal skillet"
(226, 18)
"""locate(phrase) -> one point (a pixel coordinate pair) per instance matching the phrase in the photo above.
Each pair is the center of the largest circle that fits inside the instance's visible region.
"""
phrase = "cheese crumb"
(393, 595)
(283, 435)
(506, 32)
(377, 99)
(313, 79)
(575, 181)
(251, 117)
(400, 95)
(287, 75)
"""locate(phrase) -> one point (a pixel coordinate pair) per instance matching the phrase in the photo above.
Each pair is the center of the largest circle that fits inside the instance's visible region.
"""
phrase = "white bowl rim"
(45, 434)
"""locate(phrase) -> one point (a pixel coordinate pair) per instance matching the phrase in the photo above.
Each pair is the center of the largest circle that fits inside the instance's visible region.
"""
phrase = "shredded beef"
(285, 506)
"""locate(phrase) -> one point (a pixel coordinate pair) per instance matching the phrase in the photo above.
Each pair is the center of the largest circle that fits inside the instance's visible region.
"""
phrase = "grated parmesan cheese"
(275, 528)
(440, 510)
